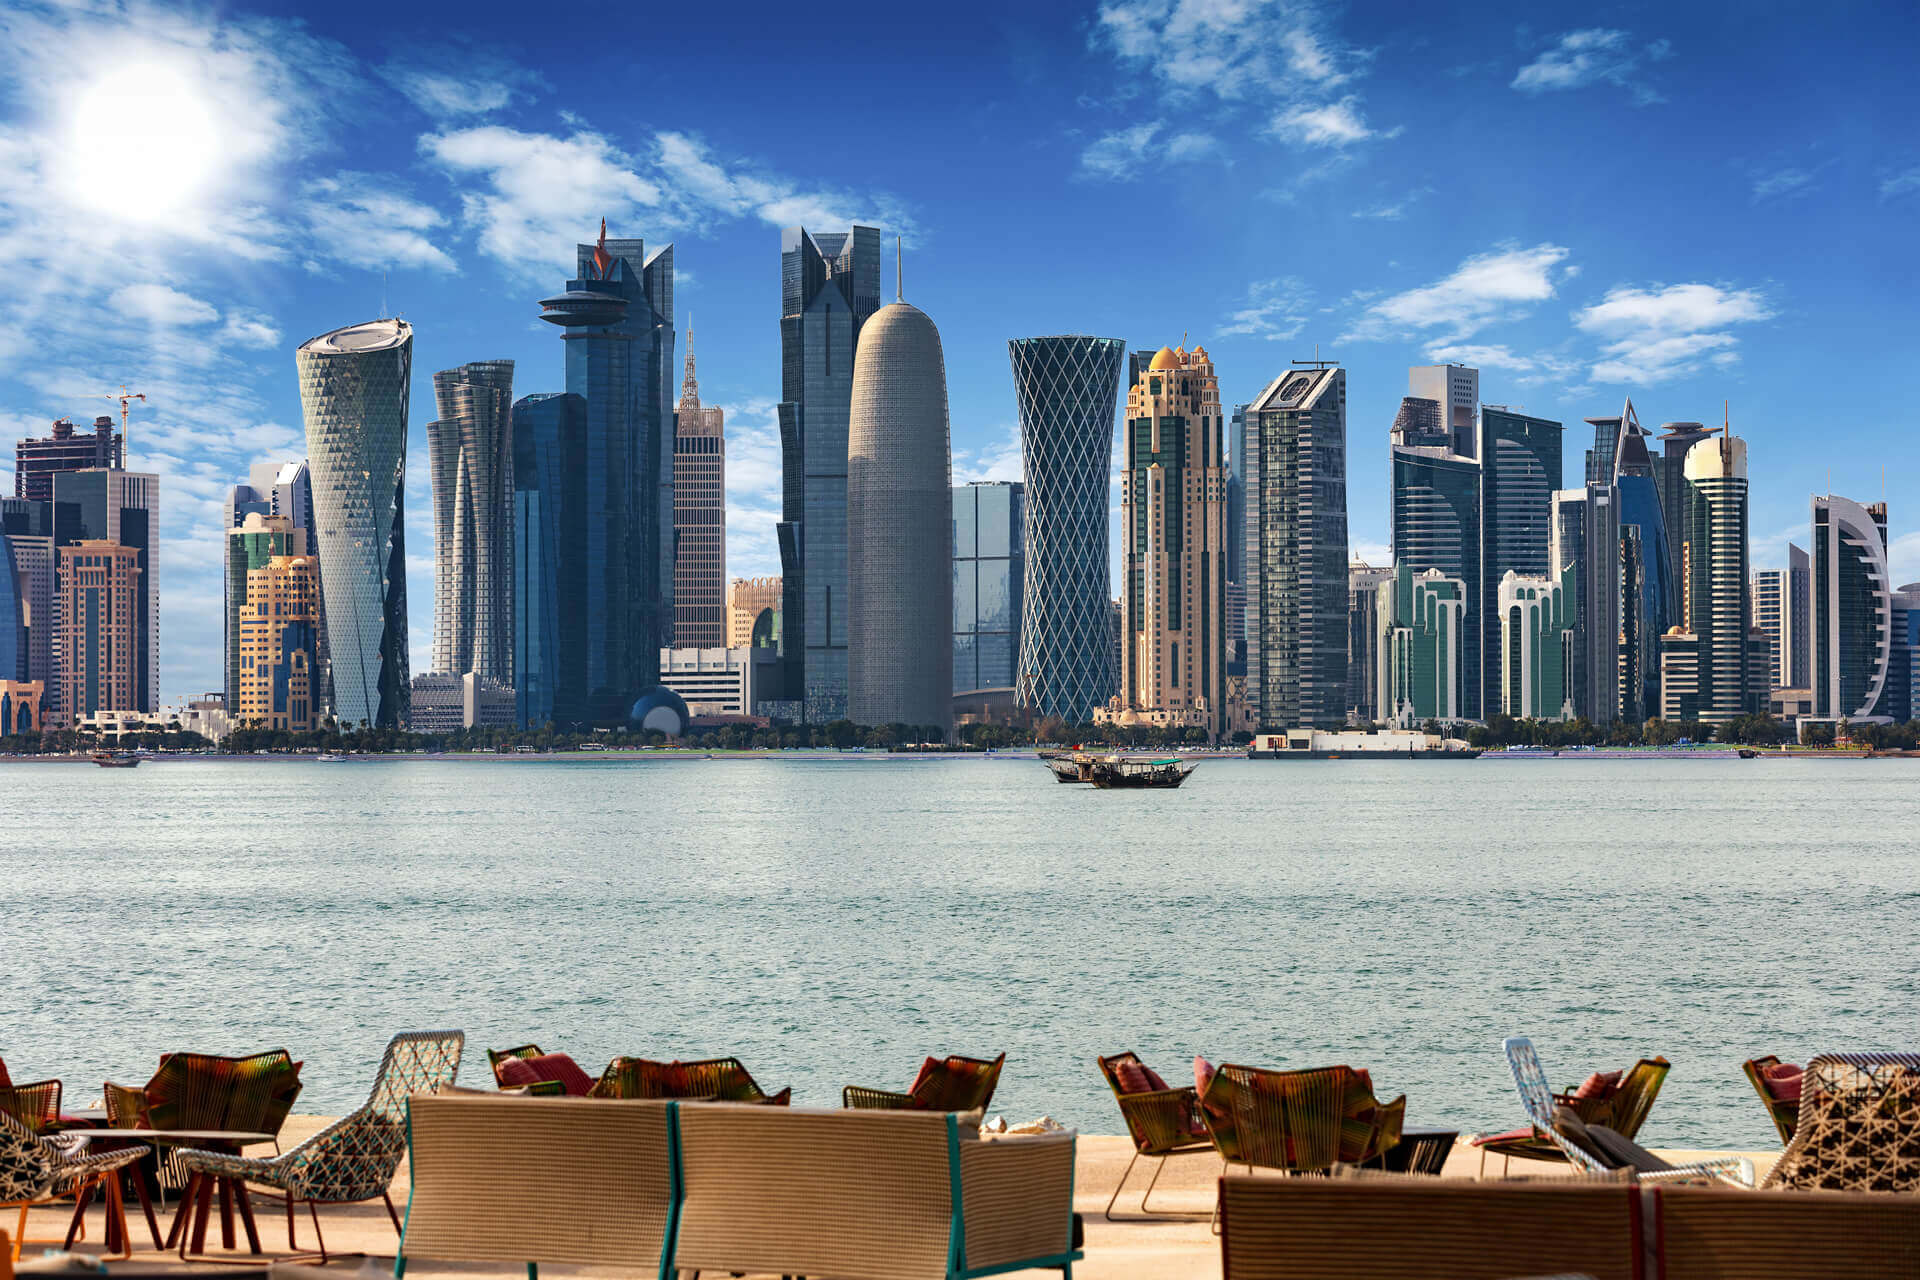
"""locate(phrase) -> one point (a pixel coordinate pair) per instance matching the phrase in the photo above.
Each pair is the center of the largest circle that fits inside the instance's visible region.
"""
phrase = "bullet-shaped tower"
(899, 526)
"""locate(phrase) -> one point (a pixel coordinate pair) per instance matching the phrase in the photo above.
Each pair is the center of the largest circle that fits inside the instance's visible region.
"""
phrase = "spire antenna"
(899, 273)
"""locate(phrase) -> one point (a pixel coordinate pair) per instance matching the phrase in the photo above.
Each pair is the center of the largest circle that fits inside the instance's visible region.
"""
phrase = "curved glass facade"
(353, 396)
(470, 447)
(1852, 608)
(1067, 389)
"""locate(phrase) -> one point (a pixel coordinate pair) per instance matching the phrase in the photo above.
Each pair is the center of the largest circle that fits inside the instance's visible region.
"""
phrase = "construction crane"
(124, 396)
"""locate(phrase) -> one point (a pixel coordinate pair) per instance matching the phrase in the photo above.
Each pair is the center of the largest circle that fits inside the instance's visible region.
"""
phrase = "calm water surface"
(832, 921)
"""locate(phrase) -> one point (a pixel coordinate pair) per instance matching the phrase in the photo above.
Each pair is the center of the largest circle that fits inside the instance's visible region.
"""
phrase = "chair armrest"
(1016, 1197)
(1164, 1118)
(855, 1097)
(1391, 1122)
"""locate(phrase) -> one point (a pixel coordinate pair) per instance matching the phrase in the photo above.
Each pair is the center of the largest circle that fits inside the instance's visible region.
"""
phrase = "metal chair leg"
(1123, 1182)
(392, 1212)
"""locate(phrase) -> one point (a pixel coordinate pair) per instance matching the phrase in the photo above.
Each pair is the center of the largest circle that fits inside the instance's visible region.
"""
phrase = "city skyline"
(1406, 270)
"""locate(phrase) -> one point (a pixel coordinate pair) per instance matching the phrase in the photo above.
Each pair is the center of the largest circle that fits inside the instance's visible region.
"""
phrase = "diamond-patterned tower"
(1068, 389)
(353, 396)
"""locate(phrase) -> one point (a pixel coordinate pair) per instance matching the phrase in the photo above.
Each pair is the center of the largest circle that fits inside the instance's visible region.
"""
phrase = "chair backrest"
(1638, 1088)
(706, 1079)
(961, 1084)
(1763, 1235)
(414, 1062)
(518, 1179)
(26, 1165)
(35, 1105)
(1859, 1127)
(253, 1094)
(1391, 1228)
(497, 1056)
(1784, 1113)
(1536, 1099)
(1297, 1120)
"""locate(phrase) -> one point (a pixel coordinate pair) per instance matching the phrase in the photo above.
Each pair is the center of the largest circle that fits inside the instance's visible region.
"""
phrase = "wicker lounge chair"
(952, 1083)
(528, 1180)
(1622, 1108)
(1298, 1121)
(36, 1106)
(1390, 1227)
(253, 1094)
(703, 1080)
(496, 1057)
(354, 1158)
(1783, 1109)
(35, 1171)
(1162, 1122)
(802, 1191)
(1859, 1126)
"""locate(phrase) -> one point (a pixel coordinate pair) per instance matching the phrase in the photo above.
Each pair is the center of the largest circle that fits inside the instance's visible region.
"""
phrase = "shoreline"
(1025, 754)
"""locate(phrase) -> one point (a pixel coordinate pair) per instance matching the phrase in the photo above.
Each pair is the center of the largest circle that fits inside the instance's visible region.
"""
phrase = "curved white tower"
(899, 526)
(353, 395)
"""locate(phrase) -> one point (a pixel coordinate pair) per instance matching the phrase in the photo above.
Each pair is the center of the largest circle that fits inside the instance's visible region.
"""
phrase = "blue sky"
(1685, 205)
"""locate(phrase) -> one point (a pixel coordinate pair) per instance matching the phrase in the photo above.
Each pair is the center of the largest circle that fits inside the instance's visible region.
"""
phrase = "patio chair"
(36, 1106)
(952, 1083)
(530, 1070)
(252, 1094)
(702, 1080)
(1540, 1103)
(1298, 1121)
(353, 1159)
(1778, 1084)
(1620, 1105)
(1859, 1126)
(1162, 1122)
(35, 1171)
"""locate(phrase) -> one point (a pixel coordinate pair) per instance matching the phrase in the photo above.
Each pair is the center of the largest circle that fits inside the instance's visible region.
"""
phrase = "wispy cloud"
(1331, 124)
(1127, 154)
(1000, 458)
(1595, 55)
(1393, 210)
(462, 82)
(1781, 184)
(1276, 310)
(1665, 331)
(1497, 285)
(365, 222)
(1903, 183)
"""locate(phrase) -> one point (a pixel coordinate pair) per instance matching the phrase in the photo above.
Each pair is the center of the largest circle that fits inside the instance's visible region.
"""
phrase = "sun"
(142, 144)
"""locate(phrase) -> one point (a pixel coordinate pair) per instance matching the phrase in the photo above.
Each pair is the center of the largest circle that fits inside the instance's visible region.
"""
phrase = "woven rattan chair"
(35, 1171)
(1624, 1110)
(1298, 1121)
(1784, 1112)
(252, 1094)
(704, 1080)
(1161, 1122)
(353, 1159)
(36, 1106)
(1859, 1127)
(495, 1057)
(952, 1083)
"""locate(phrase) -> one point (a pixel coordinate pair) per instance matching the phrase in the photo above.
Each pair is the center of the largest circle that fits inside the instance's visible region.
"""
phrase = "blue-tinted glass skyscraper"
(549, 560)
(1519, 472)
(1621, 458)
(618, 317)
(989, 568)
(829, 286)
(1067, 390)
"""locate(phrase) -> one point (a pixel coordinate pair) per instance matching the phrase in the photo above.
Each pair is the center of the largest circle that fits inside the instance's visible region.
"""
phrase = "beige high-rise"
(1173, 502)
(97, 633)
(699, 517)
(747, 599)
(279, 646)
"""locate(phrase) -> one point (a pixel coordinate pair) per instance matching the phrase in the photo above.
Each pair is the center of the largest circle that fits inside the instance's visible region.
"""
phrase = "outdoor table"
(1420, 1151)
(195, 1199)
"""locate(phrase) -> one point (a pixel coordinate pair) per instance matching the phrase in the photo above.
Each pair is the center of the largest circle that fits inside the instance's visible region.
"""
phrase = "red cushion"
(6, 1081)
(1783, 1081)
(1511, 1135)
(1601, 1084)
(547, 1066)
(928, 1069)
(1203, 1073)
(1132, 1077)
(1153, 1079)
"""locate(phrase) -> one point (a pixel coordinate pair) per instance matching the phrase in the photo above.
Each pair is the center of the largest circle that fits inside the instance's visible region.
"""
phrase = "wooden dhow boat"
(1127, 772)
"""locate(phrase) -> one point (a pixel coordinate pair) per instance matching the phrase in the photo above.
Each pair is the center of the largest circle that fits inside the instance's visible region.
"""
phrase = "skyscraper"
(1173, 520)
(1519, 472)
(281, 489)
(353, 396)
(1587, 545)
(1903, 664)
(27, 601)
(1669, 467)
(1066, 388)
(699, 517)
(1713, 632)
(829, 286)
(1422, 618)
(1781, 608)
(1236, 543)
(279, 646)
(1620, 458)
(618, 317)
(121, 507)
(1455, 391)
(1536, 642)
(1363, 641)
(1436, 525)
(989, 574)
(555, 615)
(36, 460)
(1852, 608)
(470, 450)
(98, 641)
(251, 546)
(1297, 550)
(900, 526)
(753, 611)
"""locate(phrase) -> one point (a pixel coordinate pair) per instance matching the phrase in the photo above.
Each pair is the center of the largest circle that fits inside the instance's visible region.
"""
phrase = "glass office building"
(1852, 608)
(1067, 389)
(1520, 470)
(549, 567)
(1621, 458)
(1436, 525)
(353, 397)
(470, 449)
(989, 569)
(121, 507)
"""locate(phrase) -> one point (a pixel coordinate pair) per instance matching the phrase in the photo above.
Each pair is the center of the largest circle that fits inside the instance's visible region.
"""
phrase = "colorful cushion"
(6, 1081)
(1132, 1077)
(1601, 1084)
(1153, 1079)
(1783, 1081)
(1203, 1073)
(1512, 1135)
(928, 1070)
(547, 1066)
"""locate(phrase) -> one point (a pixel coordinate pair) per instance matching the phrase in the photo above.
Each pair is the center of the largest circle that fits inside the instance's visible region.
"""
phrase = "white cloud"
(357, 219)
(162, 305)
(1369, 552)
(1667, 331)
(1000, 458)
(1276, 310)
(1126, 154)
(1594, 55)
(753, 488)
(701, 185)
(1485, 288)
(1904, 183)
(249, 328)
(1331, 124)
(1781, 184)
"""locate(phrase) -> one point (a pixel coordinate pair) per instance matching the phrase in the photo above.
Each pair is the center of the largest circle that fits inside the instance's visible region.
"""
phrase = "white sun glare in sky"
(143, 143)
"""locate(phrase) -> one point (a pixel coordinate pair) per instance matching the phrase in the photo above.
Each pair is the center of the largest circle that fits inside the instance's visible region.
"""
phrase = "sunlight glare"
(143, 143)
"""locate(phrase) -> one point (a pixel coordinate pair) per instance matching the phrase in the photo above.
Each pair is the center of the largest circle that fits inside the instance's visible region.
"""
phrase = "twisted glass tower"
(470, 447)
(353, 396)
(1067, 389)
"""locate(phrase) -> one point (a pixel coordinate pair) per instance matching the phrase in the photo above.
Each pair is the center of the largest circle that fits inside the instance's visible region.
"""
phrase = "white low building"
(718, 682)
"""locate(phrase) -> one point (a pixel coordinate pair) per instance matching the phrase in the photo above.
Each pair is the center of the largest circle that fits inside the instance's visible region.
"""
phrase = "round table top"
(238, 1137)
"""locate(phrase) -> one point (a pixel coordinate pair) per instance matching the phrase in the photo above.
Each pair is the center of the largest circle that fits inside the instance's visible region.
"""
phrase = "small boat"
(1070, 768)
(115, 759)
(1116, 772)
(327, 757)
